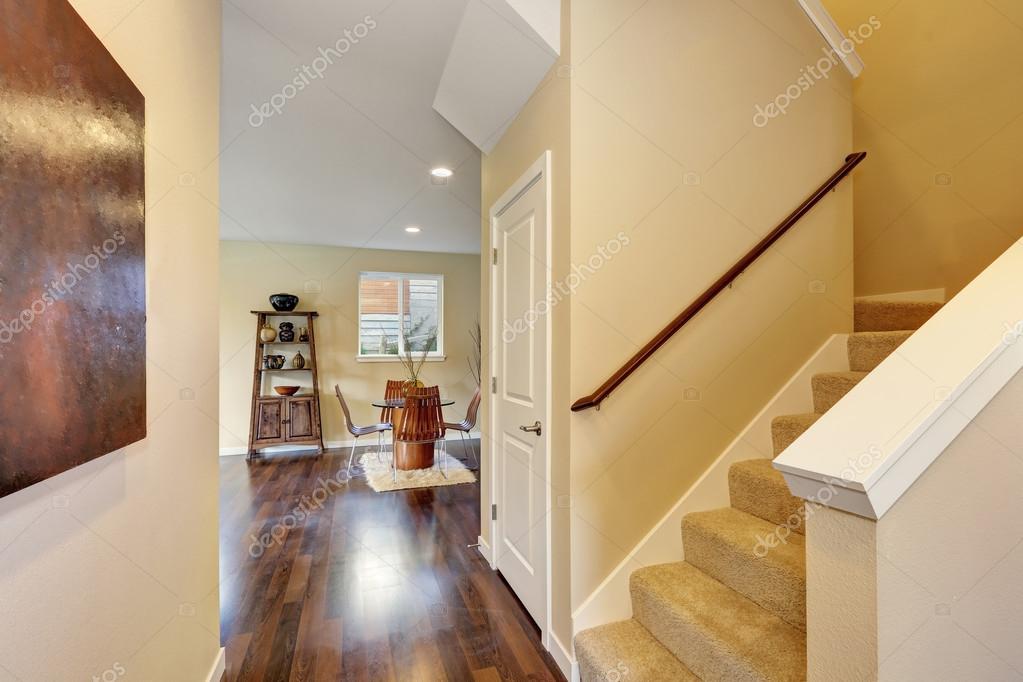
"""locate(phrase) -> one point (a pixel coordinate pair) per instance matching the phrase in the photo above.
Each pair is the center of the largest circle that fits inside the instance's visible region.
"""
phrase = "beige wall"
(115, 562)
(542, 125)
(938, 109)
(664, 149)
(647, 144)
(942, 597)
(250, 272)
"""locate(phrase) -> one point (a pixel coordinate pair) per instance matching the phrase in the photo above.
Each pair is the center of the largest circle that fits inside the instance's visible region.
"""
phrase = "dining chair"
(422, 422)
(393, 391)
(468, 424)
(359, 431)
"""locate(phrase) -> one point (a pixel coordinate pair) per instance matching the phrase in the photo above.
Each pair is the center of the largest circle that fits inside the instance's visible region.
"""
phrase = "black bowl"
(284, 303)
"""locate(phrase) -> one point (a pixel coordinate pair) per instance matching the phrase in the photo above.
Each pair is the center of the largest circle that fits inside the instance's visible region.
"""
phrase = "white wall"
(950, 557)
(932, 590)
(113, 565)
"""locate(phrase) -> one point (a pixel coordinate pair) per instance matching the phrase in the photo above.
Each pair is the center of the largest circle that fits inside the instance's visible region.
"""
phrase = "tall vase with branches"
(416, 349)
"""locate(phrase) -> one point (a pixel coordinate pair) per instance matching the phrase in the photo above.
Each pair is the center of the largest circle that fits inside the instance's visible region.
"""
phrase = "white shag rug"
(380, 479)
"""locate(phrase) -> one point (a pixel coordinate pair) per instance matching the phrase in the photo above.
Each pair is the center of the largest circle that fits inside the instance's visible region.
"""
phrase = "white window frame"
(433, 356)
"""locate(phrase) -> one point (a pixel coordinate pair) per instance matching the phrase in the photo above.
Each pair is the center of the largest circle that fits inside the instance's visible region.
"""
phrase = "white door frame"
(538, 172)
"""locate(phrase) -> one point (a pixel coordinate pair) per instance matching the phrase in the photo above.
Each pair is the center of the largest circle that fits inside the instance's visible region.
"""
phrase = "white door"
(520, 362)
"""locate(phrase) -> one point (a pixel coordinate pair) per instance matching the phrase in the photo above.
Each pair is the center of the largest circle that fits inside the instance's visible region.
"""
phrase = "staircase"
(735, 609)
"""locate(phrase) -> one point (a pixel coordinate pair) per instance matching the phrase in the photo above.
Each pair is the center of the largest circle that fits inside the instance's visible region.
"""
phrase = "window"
(397, 309)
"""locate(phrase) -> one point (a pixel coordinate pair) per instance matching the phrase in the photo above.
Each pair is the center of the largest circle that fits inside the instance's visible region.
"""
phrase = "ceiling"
(343, 159)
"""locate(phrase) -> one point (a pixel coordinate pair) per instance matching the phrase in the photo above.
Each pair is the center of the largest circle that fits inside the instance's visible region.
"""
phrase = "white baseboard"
(921, 295)
(485, 550)
(564, 658)
(219, 667)
(233, 450)
(610, 601)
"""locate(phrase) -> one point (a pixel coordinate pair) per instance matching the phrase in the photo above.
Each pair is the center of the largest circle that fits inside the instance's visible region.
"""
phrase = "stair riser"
(626, 651)
(717, 633)
(765, 498)
(708, 658)
(748, 571)
(827, 391)
(867, 351)
(785, 430)
(887, 316)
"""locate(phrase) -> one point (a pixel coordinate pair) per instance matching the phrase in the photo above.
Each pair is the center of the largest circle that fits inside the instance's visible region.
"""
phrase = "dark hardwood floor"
(322, 581)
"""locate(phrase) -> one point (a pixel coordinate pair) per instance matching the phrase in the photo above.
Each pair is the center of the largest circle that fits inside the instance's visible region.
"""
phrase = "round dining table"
(409, 456)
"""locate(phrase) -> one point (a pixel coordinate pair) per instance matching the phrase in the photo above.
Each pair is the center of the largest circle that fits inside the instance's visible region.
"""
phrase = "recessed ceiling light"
(412, 229)
(442, 172)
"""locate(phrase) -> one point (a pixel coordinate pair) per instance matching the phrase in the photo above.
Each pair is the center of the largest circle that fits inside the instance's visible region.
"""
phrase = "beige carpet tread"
(787, 428)
(890, 316)
(830, 387)
(868, 349)
(716, 632)
(756, 558)
(757, 488)
(626, 651)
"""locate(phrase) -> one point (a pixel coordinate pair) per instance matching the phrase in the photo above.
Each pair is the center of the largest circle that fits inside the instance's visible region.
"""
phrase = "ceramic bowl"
(284, 303)
(286, 390)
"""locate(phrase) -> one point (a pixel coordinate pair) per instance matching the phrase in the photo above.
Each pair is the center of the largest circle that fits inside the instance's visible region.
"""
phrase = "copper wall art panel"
(72, 246)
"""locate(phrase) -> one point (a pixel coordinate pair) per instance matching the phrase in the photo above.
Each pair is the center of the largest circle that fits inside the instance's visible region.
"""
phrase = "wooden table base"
(408, 456)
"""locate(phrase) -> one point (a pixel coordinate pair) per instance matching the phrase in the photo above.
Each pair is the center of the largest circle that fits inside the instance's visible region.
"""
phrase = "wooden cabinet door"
(301, 420)
(269, 419)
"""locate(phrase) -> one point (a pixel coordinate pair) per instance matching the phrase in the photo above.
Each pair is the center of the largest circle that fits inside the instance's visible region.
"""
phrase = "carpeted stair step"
(758, 559)
(626, 651)
(757, 488)
(830, 387)
(787, 428)
(891, 316)
(868, 349)
(716, 632)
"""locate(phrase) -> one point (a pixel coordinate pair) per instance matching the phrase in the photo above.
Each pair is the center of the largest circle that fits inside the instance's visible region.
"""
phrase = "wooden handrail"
(598, 396)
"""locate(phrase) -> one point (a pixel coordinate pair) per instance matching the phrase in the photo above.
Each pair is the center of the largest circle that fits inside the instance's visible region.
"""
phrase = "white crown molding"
(838, 41)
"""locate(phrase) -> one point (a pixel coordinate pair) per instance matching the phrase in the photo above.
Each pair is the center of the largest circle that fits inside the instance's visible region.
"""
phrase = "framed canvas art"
(72, 246)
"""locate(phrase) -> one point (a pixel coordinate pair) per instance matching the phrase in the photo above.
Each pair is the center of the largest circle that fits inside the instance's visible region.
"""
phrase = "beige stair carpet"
(890, 316)
(735, 609)
(830, 387)
(627, 652)
(716, 632)
(786, 429)
(750, 556)
(868, 349)
(757, 488)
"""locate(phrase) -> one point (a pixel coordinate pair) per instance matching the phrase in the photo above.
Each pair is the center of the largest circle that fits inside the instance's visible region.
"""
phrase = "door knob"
(535, 428)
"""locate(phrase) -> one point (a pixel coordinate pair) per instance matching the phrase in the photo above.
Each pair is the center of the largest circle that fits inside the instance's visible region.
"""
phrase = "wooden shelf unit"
(284, 420)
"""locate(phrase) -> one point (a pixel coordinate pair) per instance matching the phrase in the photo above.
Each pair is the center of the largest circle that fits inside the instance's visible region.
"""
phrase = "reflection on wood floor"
(321, 581)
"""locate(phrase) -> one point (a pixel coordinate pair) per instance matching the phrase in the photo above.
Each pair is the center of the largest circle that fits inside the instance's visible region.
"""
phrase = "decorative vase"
(267, 334)
(287, 334)
(284, 303)
(303, 334)
(273, 361)
(410, 384)
(298, 362)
